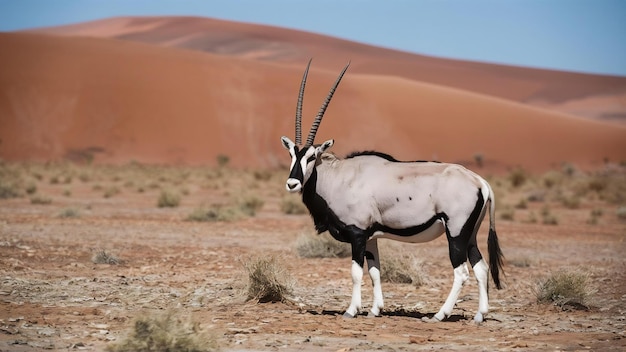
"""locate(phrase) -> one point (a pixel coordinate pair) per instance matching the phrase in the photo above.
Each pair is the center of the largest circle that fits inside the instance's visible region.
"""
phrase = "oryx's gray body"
(370, 195)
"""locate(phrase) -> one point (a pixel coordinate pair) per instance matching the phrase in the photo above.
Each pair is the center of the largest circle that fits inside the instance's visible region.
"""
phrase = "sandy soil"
(52, 295)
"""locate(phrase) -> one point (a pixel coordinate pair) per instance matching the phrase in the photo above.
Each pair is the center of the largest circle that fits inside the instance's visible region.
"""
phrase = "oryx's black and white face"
(304, 158)
(302, 162)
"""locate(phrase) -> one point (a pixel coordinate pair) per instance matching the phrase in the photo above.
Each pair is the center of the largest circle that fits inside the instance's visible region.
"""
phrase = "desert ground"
(85, 250)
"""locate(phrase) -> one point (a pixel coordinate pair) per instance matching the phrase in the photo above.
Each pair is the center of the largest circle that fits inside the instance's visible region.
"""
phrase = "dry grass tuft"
(565, 289)
(400, 269)
(292, 206)
(518, 177)
(321, 246)
(250, 204)
(216, 212)
(69, 213)
(168, 198)
(10, 181)
(520, 262)
(165, 334)
(40, 199)
(102, 256)
(268, 280)
(621, 213)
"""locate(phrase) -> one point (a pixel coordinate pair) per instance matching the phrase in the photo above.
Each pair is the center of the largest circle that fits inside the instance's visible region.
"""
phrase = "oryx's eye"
(311, 158)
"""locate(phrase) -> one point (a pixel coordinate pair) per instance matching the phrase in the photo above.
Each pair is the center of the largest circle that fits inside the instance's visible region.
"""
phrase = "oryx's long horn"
(320, 114)
(299, 106)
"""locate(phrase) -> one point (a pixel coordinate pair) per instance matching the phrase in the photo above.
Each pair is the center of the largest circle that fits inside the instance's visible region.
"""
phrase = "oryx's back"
(371, 190)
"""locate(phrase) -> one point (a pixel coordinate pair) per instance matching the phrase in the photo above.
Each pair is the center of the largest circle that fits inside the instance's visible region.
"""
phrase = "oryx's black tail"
(495, 257)
(495, 253)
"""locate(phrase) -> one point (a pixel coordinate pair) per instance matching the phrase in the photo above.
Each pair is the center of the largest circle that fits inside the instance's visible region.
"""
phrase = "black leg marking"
(464, 244)
(473, 254)
(358, 239)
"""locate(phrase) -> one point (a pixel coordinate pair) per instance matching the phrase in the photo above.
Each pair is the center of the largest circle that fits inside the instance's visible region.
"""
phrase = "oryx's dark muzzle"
(296, 174)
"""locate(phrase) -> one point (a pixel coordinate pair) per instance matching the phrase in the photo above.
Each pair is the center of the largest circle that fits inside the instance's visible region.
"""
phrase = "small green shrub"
(564, 289)
(168, 198)
(164, 333)
(321, 246)
(268, 280)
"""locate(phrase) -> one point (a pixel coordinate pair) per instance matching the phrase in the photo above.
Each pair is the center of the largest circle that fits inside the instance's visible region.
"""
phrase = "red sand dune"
(545, 88)
(66, 96)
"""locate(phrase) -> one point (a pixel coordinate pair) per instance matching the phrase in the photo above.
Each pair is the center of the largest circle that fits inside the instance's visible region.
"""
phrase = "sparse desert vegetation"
(313, 245)
(268, 280)
(224, 228)
(565, 289)
(165, 333)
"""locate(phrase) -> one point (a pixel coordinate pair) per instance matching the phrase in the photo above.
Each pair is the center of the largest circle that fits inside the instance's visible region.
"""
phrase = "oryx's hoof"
(435, 319)
(347, 315)
(478, 318)
(371, 314)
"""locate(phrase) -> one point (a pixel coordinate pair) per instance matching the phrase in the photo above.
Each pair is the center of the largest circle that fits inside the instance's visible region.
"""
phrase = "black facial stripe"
(297, 172)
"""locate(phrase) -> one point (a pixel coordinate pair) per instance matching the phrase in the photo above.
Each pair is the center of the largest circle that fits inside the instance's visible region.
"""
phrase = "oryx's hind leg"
(373, 266)
(461, 275)
(481, 272)
(462, 243)
(458, 256)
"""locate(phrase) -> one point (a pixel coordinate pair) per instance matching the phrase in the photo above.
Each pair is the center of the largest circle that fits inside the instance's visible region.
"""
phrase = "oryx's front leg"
(373, 266)
(357, 240)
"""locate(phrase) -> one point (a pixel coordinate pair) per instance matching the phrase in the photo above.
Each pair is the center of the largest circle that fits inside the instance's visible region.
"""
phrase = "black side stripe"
(409, 231)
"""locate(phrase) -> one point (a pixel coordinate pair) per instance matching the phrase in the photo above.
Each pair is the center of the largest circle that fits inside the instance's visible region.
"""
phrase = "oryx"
(370, 195)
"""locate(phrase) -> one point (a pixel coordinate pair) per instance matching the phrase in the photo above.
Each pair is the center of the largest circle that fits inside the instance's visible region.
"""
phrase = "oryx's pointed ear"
(325, 146)
(287, 143)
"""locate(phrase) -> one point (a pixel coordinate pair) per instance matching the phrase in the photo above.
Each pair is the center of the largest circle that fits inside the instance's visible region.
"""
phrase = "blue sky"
(572, 35)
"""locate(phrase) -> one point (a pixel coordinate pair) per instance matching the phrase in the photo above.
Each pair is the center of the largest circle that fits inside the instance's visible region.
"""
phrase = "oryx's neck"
(315, 195)
(329, 176)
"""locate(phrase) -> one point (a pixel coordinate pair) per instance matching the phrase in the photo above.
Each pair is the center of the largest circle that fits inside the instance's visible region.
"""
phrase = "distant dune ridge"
(185, 90)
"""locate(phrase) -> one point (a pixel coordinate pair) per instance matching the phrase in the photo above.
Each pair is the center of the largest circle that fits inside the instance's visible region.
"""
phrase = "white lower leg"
(481, 271)
(461, 275)
(373, 266)
(378, 303)
(357, 277)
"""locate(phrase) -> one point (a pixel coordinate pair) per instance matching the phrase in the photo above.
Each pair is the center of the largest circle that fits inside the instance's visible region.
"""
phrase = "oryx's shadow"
(392, 313)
